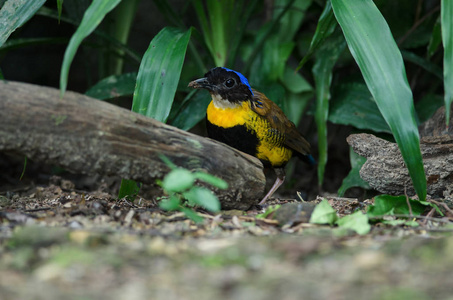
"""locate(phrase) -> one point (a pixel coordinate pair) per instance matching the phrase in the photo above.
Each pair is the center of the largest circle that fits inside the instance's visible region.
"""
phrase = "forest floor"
(58, 242)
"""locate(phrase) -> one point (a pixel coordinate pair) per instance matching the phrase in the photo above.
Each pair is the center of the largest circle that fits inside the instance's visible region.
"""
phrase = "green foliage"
(324, 214)
(447, 39)
(384, 205)
(265, 42)
(179, 185)
(391, 205)
(322, 71)
(91, 19)
(357, 221)
(14, 13)
(159, 73)
(113, 86)
(129, 189)
(353, 179)
(375, 51)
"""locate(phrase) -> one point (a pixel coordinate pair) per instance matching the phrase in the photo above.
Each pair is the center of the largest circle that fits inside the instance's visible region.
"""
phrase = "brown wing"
(264, 107)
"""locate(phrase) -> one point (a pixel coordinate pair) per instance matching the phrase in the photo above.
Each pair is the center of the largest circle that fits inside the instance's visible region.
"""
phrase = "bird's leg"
(280, 172)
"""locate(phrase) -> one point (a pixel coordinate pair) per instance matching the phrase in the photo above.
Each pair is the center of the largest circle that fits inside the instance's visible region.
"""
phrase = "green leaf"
(265, 36)
(203, 197)
(295, 104)
(375, 51)
(390, 205)
(178, 180)
(294, 82)
(129, 189)
(211, 179)
(357, 221)
(14, 13)
(59, 8)
(192, 111)
(113, 86)
(159, 73)
(324, 214)
(354, 105)
(172, 203)
(326, 58)
(191, 214)
(26, 42)
(23, 169)
(269, 210)
(326, 26)
(353, 179)
(398, 222)
(91, 19)
(167, 161)
(436, 39)
(446, 19)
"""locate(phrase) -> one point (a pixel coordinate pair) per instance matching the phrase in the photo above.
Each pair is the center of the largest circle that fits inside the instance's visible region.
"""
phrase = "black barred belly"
(237, 137)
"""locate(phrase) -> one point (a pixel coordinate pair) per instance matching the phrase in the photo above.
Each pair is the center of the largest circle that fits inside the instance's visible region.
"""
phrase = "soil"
(69, 237)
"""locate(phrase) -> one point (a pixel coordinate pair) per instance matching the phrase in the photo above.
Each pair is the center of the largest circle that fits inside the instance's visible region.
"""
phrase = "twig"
(443, 205)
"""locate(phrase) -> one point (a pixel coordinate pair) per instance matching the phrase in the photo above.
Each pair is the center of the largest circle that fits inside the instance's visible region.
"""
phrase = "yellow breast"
(270, 147)
(230, 116)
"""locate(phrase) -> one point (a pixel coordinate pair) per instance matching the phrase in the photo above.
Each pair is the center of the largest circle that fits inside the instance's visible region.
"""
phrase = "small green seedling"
(183, 194)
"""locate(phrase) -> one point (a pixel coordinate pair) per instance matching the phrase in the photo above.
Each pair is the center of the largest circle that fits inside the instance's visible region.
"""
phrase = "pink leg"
(278, 182)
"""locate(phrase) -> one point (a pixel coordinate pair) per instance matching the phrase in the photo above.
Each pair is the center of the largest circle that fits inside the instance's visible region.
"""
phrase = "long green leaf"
(91, 19)
(326, 26)
(446, 15)
(322, 71)
(375, 51)
(159, 73)
(14, 13)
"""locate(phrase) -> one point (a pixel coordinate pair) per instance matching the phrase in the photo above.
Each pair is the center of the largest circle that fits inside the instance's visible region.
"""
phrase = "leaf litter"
(59, 242)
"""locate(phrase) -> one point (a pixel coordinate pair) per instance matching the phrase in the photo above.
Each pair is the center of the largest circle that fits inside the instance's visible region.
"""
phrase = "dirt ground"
(60, 242)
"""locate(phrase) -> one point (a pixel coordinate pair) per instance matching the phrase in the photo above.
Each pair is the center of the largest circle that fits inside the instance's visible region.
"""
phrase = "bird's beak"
(201, 83)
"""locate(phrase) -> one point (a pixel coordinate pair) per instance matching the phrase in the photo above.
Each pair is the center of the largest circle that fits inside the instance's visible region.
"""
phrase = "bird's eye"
(230, 82)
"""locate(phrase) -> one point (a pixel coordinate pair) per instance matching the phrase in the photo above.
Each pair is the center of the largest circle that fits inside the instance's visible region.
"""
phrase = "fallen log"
(85, 135)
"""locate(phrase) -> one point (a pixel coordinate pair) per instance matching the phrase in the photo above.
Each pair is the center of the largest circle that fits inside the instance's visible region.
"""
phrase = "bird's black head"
(225, 85)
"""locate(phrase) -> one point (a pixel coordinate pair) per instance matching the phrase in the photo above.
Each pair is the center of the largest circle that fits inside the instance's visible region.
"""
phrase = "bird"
(247, 120)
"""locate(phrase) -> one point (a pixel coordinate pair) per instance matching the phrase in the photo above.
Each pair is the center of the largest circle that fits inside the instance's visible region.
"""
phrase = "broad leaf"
(178, 180)
(390, 205)
(354, 105)
(159, 73)
(375, 51)
(113, 86)
(14, 13)
(129, 188)
(357, 221)
(203, 197)
(324, 214)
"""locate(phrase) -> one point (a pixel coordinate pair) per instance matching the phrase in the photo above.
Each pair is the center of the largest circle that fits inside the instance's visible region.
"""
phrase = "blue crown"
(242, 77)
